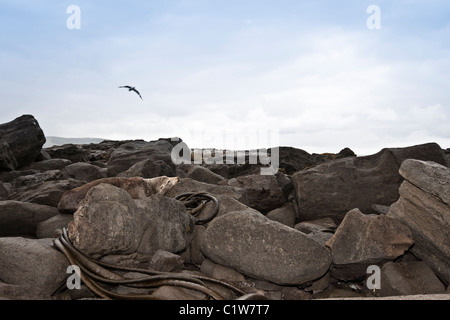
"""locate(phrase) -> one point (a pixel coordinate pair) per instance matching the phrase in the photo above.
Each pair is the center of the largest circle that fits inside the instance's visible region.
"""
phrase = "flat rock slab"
(264, 249)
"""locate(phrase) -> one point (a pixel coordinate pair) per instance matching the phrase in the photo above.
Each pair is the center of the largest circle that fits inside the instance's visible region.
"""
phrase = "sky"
(319, 75)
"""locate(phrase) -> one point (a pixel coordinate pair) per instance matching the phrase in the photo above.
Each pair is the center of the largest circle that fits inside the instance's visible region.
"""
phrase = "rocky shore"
(323, 226)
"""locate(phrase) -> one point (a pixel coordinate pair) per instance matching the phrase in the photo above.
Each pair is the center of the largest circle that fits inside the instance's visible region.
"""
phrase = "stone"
(71, 152)
(148, 169)
(128, 154)
(52, 227)
(46, 165)
(7, 160)
(263, 192)
(111, 222)
(284, 215)
(185, 185)
(409, 278)
(258, 247)
(424, 207)
(25, 139)
(83, 172)
(27, 181)
(166, 261)
(198, 173)
(220, 272)
(21, 218)
(137, 187)
(320, 230)
(46, 193)
(34, 264)
(4, 192)
(364, 239)
(335, 187)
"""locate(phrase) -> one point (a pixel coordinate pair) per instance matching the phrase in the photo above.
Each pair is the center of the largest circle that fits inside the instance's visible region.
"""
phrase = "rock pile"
(312, 230)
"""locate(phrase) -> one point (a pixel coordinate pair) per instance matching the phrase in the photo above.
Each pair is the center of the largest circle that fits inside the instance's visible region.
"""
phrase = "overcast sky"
(218, 73)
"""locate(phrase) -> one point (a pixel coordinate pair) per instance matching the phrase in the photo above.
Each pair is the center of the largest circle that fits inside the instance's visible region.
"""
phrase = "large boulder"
(424, 206)
(84, 172)
(72, 152)
(148, 169)
(21, 218)
(264, 249)
(137, 187)
(409, 278)
(34, 265)
(25, 139)
(263, 191)
(47, 193)
(362, 240)
(7, 160)
(333, 188)
(111, 222)
(128, 154)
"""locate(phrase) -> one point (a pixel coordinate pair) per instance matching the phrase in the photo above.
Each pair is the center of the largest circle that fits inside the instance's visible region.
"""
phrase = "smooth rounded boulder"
(264, 249)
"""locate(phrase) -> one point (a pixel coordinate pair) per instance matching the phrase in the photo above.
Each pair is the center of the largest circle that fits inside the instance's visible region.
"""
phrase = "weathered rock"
(131, 153)
(21, 218)
(263, 192)
(52, 227)
(7, 160)
(148, 169)
(73, 153)
(362, 239)
(137, 187)
(284, 215)
(198, 173)
(27, 181)
(111, 222)
(185, 185)
(83, 172)
(258, 247)
(46, 165)
(424, 206)
(220, 272)
(46, 193)
(320, 230)
(333, 188)
(4, 193)
(409, 278)
(35, 264)
(25, 139)
(166, 261)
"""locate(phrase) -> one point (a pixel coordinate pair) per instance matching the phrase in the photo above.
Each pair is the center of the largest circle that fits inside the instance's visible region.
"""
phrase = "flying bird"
(132, 89)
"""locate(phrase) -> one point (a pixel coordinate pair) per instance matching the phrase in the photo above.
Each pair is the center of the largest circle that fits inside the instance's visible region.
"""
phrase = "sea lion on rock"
(137, 187)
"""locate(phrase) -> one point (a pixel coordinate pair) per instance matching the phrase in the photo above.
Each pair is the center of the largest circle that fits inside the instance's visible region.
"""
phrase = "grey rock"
(111, 222)
(284, 215)
(198, 173)
(335, 187)
(409, 278)
(220, 272)
(71, 152)
(32, 263)
(166, 261)
(263, 192)
(4, 192)
(46, 165)
(148, 169)
(264, 249)
(47, 193)
(369, 239)
(52, 227)
(25, 139)
(26, 181)
(7, 160)
(128, 154)
(83, 172)
(423, 207)
(21, 218)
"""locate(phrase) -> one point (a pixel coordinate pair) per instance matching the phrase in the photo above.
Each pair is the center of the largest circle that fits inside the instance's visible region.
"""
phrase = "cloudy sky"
(231, 73)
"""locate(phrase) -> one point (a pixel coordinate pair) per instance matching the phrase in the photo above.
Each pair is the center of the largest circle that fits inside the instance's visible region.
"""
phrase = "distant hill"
(58, 141)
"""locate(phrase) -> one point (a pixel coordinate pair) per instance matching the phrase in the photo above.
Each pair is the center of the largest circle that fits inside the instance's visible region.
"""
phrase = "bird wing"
(138, 93)
(128, 87)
